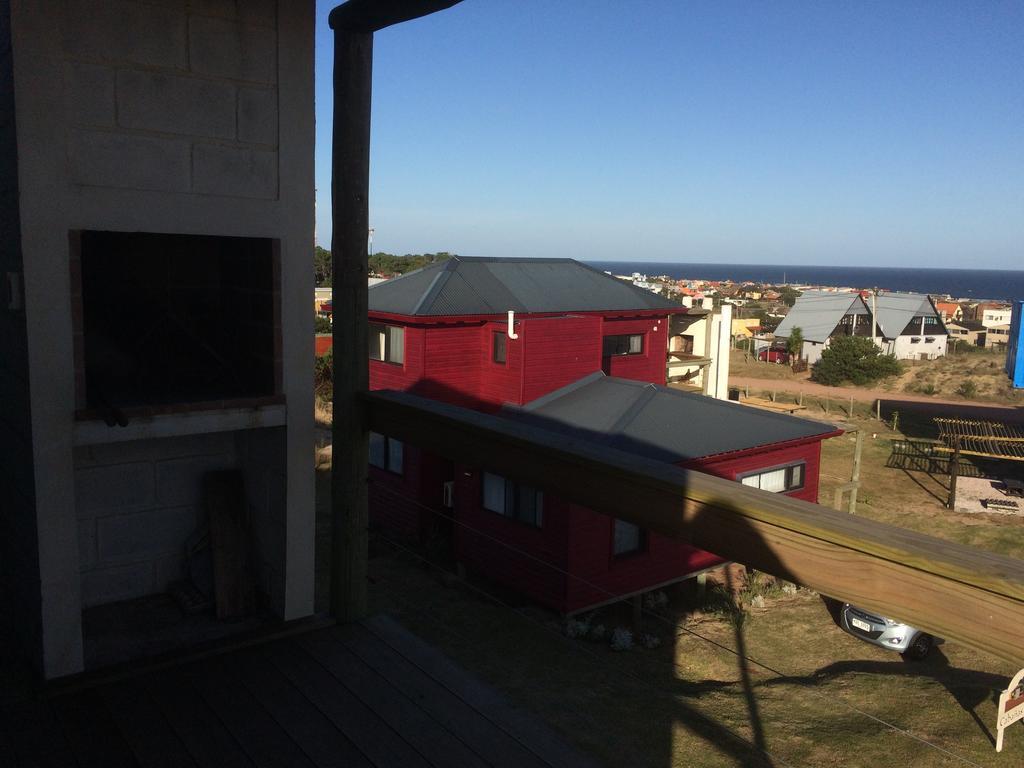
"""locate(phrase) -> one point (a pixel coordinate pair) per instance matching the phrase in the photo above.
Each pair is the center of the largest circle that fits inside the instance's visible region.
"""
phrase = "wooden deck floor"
(368, 694)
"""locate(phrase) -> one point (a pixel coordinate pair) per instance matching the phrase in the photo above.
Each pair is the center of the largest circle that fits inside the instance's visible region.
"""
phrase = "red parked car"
(769, 355)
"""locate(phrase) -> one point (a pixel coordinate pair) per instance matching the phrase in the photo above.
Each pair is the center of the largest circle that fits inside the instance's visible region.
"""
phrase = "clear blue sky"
(879, 133)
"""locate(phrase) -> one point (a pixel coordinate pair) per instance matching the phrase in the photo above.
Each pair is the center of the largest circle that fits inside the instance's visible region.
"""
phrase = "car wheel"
(919, 647)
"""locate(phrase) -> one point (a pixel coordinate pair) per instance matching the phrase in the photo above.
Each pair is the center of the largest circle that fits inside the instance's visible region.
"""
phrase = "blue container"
(1015, 347)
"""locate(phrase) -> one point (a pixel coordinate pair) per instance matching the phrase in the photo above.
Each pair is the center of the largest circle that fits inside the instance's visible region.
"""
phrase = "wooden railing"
(956, 592)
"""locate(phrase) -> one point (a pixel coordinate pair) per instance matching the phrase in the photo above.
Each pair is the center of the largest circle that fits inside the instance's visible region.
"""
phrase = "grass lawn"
(913, 500)
(745, 364)
(684, 703)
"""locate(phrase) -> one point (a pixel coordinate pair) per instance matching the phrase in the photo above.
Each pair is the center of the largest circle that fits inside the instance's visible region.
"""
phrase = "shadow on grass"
(968, 687)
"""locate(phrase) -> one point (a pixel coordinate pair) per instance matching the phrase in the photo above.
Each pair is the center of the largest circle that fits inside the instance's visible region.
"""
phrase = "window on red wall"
(627, 538)
(511, 499)
(625, 344)
(387, 343)
(777, 480)
(499, 347)
(386, 453)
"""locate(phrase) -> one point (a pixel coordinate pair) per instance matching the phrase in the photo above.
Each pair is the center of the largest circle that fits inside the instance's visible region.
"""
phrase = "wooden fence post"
(855, 476)
(954, 472)
(851, 406)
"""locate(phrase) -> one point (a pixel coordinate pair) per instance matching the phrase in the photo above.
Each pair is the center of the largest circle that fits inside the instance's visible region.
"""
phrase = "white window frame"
(389, 344)
(756, 479)
(630, 338)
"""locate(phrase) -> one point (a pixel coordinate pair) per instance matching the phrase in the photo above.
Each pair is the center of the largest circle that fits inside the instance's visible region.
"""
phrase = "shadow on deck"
(366, 694)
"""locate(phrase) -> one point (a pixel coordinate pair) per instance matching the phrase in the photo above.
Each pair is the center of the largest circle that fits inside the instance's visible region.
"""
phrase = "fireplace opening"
(175, 319)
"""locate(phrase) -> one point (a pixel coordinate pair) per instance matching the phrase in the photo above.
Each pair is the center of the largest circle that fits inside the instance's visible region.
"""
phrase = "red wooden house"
(609, 558)
(582, 351)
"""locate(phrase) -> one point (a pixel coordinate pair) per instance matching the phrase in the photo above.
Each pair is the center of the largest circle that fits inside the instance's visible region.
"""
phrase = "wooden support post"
(851, 406)
(350, 175)
(878, 409)
(354, 23)
(800, 399)
(954, 472)
(826, 402)
(774, 395)
(702, 586)
(837, 499)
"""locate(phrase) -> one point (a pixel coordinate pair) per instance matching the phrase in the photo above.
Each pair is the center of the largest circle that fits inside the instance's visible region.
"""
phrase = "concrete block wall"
(175, 96)
(137, 503)
(177, 116)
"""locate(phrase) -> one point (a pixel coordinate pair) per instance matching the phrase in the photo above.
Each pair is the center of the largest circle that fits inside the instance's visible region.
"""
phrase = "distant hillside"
(386, 264)
(390, 264)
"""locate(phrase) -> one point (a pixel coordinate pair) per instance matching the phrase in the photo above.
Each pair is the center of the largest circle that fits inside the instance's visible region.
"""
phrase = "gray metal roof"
(659, 422)
(895, 310)
(480, 286)
(817, 313)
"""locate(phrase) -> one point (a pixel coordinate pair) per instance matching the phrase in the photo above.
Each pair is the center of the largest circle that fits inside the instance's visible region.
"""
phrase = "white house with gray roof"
(907, 325)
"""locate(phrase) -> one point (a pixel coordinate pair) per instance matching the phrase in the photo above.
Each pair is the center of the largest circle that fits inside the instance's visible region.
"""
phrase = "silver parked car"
(911, 643)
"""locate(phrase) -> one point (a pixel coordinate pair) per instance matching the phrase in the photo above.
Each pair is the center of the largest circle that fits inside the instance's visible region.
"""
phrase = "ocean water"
(960, 283)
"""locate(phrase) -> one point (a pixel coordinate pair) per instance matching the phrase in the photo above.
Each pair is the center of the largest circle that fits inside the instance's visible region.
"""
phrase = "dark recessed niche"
(176, 319)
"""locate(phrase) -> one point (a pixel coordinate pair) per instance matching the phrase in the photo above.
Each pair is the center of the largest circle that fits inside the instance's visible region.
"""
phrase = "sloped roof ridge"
(554, 395)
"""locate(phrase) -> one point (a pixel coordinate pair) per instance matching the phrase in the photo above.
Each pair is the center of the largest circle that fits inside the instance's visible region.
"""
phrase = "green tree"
(323, 375)
(322, 324)
(795, 342)
(390, 264)
(322, 267)
(788, 295)
(854, 359)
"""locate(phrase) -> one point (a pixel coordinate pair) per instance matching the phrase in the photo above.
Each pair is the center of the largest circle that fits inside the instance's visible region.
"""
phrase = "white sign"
(1011, 707)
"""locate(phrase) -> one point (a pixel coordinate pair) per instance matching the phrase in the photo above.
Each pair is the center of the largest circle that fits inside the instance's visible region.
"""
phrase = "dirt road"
(840, 394)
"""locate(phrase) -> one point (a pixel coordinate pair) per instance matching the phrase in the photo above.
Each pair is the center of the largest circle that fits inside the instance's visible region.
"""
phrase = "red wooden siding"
(732, 466)
(451, 367)
(512, 553)
(392, 498)
(648, 366)
(406, 504)
(400, 377)
(559, 351)
(500, 383)
(601, 575)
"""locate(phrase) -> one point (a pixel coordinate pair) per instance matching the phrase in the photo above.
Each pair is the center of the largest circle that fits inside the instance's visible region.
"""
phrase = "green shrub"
(853, 359)
(323, 375)
(967, 389)
(322, 324)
